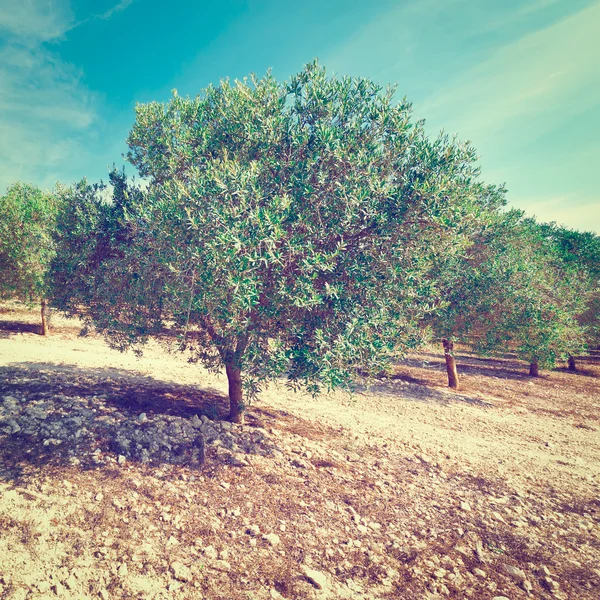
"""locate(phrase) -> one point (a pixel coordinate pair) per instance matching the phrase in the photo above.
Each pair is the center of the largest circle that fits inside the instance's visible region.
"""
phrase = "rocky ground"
(405, 490)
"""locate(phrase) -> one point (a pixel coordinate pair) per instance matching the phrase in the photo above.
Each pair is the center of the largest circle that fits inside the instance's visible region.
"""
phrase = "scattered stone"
(465, 506)
(181, 572)
(121, 460)
(122, 571)
(272, 538)
(222, 565)
(316, 578)
(142, 418)
(480, 573)
(526, 585)
(514, 572)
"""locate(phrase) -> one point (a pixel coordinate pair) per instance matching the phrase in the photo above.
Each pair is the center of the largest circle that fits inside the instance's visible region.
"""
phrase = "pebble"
(514, 572)
(272, 538)
(181, 572)
(221, 565)
(318, 579)
(87, 429)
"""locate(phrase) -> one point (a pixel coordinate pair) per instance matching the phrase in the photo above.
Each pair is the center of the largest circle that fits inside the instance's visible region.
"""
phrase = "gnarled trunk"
(450, 363)
(44, 328)
(236, 397)
(571, 363)
(534, 369)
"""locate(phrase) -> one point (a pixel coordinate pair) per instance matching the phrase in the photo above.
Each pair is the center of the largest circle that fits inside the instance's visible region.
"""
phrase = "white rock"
(221, 565)
(318, 579)
(272, 538)
(514, 572)
(181, 572)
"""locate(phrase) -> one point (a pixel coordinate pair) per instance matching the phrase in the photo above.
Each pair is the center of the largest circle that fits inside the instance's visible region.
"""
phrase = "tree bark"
(450, 364)
(44, 329)
(236, 397)
(572, 365)
(534, 369)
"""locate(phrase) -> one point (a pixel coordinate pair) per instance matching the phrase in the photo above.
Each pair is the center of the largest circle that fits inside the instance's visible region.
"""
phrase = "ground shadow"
(466, 365)
(417, 390)
(118, 387)
(8, 328)
(55, 416)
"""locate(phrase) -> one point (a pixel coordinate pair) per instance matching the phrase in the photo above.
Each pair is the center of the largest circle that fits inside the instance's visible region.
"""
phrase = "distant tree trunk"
(450, 363)
(572, 365)
(236, 398)
(44, 304)
(534, 369)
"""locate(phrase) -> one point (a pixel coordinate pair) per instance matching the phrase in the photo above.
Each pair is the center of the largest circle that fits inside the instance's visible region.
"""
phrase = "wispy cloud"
(528, 86)
(33, 21)
(121, 6)
(47, 114)
(570, 209)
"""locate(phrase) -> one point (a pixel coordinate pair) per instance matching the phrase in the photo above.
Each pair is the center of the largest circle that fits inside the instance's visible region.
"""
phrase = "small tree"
(26, 247)
(579, 252)
(289, 229)
(512, 291)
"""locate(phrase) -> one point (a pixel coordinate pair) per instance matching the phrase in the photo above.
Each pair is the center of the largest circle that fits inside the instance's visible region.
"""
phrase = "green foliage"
(289, 229)
(580, 253)
(513, 290)
(93, 274)
(26, 248)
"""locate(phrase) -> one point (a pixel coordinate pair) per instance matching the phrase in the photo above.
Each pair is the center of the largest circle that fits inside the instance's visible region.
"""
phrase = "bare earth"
(406, 490)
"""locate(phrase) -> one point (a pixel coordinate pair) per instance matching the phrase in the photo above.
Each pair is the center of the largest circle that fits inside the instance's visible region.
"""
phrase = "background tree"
(511, 291)
(580, 253)
(289, 229)
(26, 246)
(94, 274)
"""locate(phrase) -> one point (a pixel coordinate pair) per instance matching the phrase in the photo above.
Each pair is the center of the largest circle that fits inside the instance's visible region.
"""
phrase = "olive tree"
(289, 229)
(512, 291)
(26, 246)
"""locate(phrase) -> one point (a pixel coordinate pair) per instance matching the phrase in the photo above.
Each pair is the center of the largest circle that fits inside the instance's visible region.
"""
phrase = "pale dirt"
(404, 490)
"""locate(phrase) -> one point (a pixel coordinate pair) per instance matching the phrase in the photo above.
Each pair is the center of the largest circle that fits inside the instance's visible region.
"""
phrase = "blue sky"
(519, 78)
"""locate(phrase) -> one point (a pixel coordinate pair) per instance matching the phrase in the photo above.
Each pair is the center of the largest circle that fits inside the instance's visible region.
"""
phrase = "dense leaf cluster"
(308, 229)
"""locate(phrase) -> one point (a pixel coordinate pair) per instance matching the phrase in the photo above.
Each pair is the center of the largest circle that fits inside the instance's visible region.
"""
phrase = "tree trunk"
(44, 329)
(572, 365)
(534, 369)
(450, 364)
(236, 398)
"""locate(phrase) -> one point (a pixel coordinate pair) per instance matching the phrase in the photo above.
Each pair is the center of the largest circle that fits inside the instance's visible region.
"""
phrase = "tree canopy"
(26, 246)
(514, 290)
(288, 229)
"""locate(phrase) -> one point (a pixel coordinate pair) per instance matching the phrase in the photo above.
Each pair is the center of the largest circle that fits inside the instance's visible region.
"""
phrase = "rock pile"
(80, 428)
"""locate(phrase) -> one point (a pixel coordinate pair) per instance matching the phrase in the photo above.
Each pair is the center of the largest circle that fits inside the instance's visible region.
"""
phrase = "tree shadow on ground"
(59, 415)
(8, 328)
(415, 389)
(118, 387)
(467, 365)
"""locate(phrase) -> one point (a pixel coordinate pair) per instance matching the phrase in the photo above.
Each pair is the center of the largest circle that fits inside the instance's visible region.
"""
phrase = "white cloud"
(121, 6)
(572, 210)
(528, 86)
(44, 110)
(37, 20)
(47, 115)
